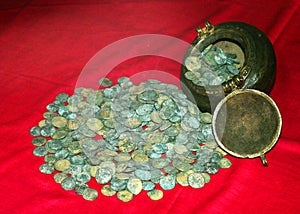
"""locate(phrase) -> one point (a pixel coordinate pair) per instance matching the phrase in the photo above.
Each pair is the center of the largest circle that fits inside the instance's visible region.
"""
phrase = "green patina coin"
(107, 190)
(35, 131)
(144, 175)
(125, 195)
(105, 82)
(46, 169)
(90, 194)
(196, 180)
(167, 182)
(59, 121)
(59, 177)
(155, 194)
(182, 177)
(68, 183)
(39, 141)
(134, 185)
(206, 177)
(50, 159)
(225, 163)
(40, 151)
(94, 124)
(148, 185)
(79, 189)
(104, 175)
(62, 165)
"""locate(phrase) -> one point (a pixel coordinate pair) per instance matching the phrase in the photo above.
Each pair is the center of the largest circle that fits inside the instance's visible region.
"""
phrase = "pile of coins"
(129, 138)
(211, 66)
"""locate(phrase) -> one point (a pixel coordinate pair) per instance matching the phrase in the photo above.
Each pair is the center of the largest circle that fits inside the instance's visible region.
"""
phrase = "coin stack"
(129, 138)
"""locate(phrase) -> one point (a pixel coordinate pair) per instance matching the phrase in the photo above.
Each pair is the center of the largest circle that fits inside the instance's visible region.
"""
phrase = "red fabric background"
(44, 46)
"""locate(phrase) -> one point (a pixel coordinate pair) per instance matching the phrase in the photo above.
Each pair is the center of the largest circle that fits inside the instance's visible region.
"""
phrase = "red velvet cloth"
(44, 45)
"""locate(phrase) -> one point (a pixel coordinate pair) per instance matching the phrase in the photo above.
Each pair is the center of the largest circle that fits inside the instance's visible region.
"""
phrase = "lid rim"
(274, 138)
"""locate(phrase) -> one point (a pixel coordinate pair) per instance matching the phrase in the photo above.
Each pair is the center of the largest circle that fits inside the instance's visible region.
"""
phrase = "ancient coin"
(155, 194)
(46, 169)
(68, 183)
(225, 163)
(196, 180)
(167, 182)
(90, 194)
(107, 190)
(134, 185)
(62, 165)
(105, 82)
(59, 121)
(59, 177)
(40, 151)
(104, 175)
(125, 195)
(94, 124)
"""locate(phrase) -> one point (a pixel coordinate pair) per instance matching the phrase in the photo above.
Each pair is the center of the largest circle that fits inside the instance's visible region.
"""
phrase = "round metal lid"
(247, 124)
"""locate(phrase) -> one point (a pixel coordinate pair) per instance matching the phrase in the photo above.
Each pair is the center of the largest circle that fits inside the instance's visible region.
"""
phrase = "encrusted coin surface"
(107, 190)
(62, 165)
(196, 180)
(125, 195)
(135, 185)
(155, 194)
(90, 194)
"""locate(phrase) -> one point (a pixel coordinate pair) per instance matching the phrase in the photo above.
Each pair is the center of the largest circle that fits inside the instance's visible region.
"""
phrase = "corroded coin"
(134, 185)
(59, 134)
(90, 194)
(50, 159)
(182, 177)
(126, 145)
(206, 117)
(35, 131)
(180, 148)
(59, 177)
(109, 164)
(68, 183)
(167, 182)
(74, 147)
(125, 195)
(62, 165)
(93, 170)
(59, 121)
(133, 122)
(94, 124)
(39, 141)
(105, 82)
(143, 174)
(103, 175)
(107, 190)
(155, 117)
(73, 124)
(40, 151)
(155, 194)
(196, 180)
(206, 177)
(139, 156)
(225, 163)
(122, 156)
(46, 169)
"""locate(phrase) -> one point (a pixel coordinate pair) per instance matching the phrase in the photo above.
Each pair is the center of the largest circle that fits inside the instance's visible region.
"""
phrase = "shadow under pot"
(226, 57)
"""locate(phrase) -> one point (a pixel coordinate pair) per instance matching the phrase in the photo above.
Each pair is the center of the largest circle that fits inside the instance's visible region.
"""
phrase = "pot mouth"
(247, 123)
(217, 59)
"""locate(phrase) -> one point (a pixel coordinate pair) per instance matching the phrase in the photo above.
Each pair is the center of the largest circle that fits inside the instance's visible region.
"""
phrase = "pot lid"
(247, 124)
